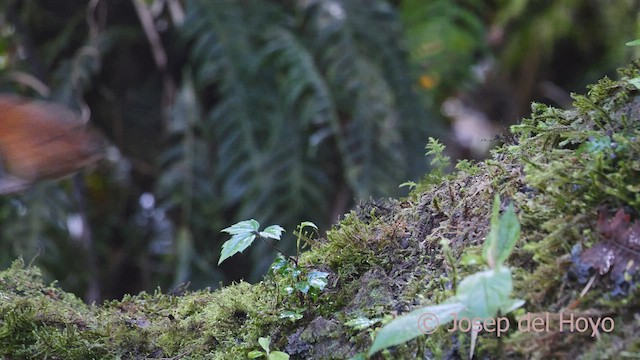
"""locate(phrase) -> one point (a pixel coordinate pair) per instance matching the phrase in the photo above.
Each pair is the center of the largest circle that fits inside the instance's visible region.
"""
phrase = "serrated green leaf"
(272, 232)
(279, 264)
(238, 243)
(278, 355)
(318, 279)
(242, 227)
(302, 286)
(407, 327)
(265, 342)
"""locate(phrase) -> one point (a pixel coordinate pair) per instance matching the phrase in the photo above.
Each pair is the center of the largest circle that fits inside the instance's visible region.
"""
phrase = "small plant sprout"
(265, 343)
(244, 233)
(479, 297)
(307, 283)
(302, 234)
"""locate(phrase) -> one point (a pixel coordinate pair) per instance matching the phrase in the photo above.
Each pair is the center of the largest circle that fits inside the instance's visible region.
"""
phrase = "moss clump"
(38, 321)
(388, 257)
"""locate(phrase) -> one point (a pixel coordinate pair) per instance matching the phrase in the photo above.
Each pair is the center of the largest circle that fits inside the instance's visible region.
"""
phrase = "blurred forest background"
(284, 111)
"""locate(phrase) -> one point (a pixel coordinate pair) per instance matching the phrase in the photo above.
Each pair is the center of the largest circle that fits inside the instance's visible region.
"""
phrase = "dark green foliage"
(279, 111)
(301, 108)
(291, 108)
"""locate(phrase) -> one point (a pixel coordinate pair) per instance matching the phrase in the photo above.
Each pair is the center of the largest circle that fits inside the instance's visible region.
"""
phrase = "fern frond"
(367, 132)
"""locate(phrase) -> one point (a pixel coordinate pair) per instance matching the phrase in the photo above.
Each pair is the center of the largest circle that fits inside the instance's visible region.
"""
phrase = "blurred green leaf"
(265, 343)
(485, 293)
(255, 354)
(272, 232)
(278, 355)
(503, 234)
(410, 326)
(361, 323)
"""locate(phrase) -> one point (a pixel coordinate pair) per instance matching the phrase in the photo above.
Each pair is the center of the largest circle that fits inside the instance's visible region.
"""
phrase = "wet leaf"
(618, 251)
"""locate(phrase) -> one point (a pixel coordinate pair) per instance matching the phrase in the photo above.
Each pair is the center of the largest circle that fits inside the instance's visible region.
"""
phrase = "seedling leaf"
(361, 322)
(302, 286)
(255, 354)
(243, 234)
(407, 327)
(317, 279)
(272, 232)
(305, 224)
(503, 234)
(278, 355)
(264, 343)
(485, 293)
(242, 227)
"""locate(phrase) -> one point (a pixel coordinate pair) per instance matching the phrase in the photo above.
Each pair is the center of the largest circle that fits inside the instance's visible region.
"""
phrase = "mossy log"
(566, 172)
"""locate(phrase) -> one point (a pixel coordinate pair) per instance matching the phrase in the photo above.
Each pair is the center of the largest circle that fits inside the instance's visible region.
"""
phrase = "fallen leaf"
(618, 251)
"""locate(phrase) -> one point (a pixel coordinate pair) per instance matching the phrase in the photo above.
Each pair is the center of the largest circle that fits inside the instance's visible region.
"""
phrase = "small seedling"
(265, 343)
(479, 296)
(307, 283)
(243, 234)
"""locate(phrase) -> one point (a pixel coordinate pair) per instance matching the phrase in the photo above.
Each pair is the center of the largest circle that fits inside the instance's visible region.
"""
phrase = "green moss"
(41, 321)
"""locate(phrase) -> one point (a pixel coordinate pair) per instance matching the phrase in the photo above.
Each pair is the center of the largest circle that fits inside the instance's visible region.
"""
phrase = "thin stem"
(291, 258)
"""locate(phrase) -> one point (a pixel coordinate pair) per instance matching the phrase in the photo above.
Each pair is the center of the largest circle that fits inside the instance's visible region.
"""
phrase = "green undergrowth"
(39, 321)
(388, 257)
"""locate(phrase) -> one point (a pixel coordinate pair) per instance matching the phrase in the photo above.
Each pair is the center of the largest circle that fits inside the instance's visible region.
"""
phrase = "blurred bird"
(41, 141)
